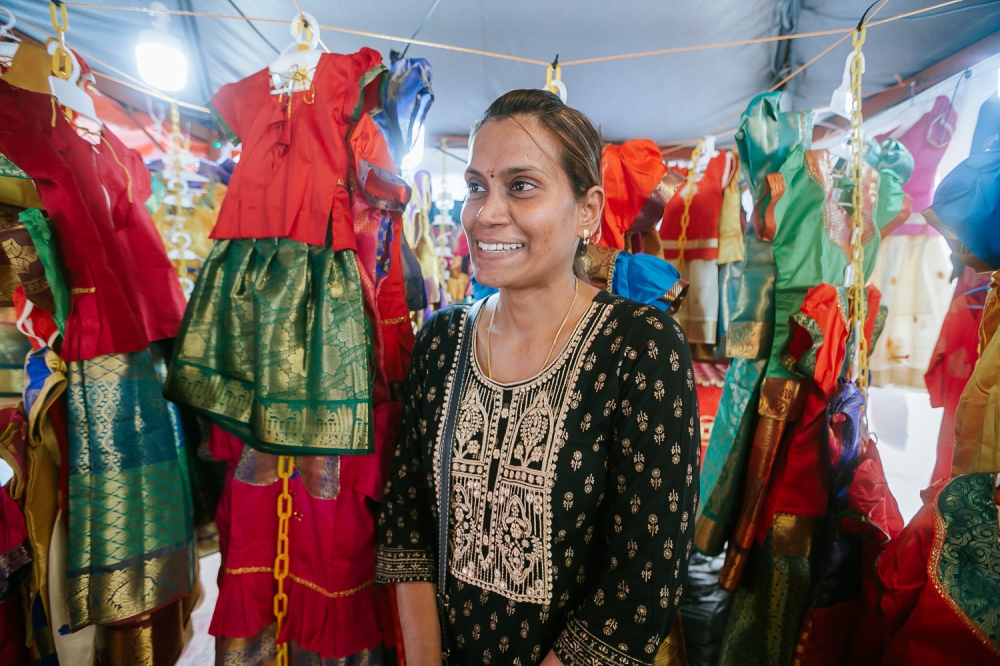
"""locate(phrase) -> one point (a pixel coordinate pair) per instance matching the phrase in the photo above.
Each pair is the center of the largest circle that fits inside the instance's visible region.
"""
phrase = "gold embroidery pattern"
(970, 503)
(401, 566)
(501, 537)
(577, 645)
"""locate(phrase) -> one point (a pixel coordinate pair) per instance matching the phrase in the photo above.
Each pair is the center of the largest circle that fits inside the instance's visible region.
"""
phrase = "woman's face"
(521, 215)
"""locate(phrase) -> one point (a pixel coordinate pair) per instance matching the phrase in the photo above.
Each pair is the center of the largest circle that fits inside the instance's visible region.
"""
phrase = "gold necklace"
(489, 332)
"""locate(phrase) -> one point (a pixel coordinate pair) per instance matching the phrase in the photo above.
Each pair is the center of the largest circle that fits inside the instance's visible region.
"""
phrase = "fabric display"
(955, 356)
(932, 587)
(297, 332)
(694, 219)
(231, 331)
(928, 597)
(786, 405)
(913, 275)
(914, 256)
(97, 453)
(623, 260)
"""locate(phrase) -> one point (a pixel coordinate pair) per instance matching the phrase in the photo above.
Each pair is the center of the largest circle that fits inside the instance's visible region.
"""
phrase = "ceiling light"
(160, 55)
(161, 59)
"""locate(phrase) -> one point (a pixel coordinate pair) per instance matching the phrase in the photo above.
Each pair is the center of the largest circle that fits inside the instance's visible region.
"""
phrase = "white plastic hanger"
(840, 105)
(8, 48)
(708, 151)
(293, 71)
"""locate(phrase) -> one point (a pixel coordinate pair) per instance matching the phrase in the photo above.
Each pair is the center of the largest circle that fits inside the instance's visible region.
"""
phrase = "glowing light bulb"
(416, 155)
(161, 60)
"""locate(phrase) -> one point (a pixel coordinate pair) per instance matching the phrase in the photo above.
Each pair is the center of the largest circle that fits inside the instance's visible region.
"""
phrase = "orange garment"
(633, 175)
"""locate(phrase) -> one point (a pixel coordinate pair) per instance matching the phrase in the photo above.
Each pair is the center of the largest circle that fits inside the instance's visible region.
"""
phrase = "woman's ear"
(591, 209)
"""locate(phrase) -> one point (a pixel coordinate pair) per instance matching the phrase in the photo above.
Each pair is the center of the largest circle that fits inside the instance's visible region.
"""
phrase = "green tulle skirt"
(275, 348)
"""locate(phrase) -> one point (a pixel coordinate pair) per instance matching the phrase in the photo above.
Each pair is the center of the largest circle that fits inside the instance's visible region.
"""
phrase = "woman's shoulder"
(632, 319)
(442, 328)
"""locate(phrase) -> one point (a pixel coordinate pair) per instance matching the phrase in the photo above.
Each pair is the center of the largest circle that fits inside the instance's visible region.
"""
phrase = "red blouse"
(128, 184)
(98, 247)
(706, 206)
(291, 181)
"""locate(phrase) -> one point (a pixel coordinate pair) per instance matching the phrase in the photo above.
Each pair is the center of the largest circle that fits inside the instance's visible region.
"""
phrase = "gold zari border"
(302, 581)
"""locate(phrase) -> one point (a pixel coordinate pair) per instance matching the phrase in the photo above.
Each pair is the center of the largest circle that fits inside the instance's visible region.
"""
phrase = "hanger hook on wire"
(861, 23)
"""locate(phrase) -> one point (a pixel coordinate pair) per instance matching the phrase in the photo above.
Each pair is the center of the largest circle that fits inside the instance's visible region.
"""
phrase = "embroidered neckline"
(546, 372)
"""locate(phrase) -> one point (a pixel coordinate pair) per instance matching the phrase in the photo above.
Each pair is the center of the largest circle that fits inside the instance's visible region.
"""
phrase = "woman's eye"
(521, 186)
(475, 188)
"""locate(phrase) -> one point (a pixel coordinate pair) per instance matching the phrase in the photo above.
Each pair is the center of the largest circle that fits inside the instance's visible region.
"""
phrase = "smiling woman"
(558, 420)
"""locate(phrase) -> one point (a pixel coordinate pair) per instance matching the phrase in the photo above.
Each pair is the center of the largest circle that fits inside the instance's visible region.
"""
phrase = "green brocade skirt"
(130, 545)
(275, 348)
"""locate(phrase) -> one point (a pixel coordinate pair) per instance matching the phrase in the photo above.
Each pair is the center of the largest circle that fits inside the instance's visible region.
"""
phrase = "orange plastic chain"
(286, 466)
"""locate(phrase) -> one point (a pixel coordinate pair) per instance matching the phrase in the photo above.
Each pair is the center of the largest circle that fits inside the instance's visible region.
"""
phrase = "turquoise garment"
(812, 238)
(646, 279)
(765, 138)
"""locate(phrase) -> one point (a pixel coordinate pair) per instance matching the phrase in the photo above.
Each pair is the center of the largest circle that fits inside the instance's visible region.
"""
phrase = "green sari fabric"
(813, 227)
(41, 235)
(763, 627)
(275, 348)
(968, 558)
(130, 538)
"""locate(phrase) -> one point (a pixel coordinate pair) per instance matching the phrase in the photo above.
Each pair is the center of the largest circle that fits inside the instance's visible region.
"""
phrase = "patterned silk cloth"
(934, 599)
(131, 541)
(275, 348)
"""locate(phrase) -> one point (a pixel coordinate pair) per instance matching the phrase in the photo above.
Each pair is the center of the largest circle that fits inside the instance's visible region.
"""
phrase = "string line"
(135, 84)
(801, 68)
(140, 87)
(531, 61)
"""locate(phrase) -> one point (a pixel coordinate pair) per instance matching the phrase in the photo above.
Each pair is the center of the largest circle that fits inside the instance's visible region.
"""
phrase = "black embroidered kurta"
(573, 493)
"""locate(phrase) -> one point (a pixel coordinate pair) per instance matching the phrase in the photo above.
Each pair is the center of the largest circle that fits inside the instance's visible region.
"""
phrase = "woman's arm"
(418, 619)
(646, 526)
(407, 530)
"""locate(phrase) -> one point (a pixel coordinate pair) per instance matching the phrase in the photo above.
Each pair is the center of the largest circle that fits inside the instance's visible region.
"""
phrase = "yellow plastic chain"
(687, 195)
(286, 466)
(62, 65)
(857, 288)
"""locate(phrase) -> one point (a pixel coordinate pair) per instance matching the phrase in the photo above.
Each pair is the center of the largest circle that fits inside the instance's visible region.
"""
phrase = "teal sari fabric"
(131, 542)
(765, 138)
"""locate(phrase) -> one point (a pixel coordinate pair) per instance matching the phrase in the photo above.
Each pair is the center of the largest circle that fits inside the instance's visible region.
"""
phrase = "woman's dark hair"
(579, 141)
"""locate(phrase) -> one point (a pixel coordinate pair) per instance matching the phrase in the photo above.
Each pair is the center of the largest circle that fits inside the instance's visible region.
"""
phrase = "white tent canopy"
(666, 98)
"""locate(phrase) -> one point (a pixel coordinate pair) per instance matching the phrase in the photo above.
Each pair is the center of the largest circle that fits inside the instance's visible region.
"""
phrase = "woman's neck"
(536, 310)
(520, 328)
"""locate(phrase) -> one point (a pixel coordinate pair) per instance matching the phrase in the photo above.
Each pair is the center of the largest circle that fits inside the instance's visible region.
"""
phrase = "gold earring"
(586, 236)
